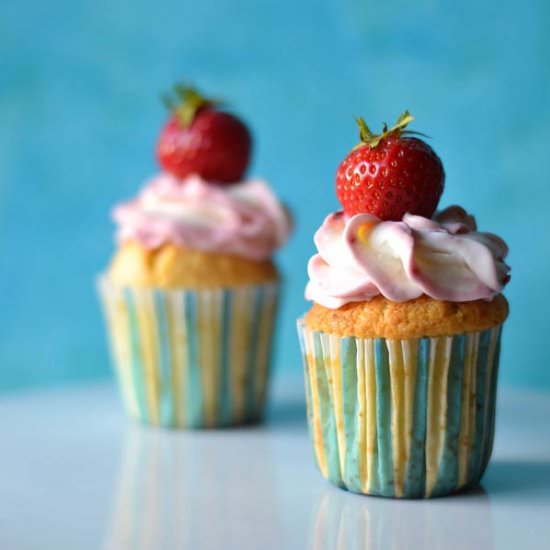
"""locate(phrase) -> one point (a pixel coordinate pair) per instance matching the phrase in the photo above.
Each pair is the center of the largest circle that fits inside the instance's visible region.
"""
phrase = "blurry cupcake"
(191, 293)
(401, 346)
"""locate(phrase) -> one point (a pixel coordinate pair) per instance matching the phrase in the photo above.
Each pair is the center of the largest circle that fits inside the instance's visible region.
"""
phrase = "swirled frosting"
(445, 257)
(243, 219)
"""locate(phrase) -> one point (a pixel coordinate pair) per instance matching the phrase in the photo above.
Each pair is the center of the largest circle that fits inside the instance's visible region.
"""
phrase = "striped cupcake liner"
(401, 418)
(191, 359)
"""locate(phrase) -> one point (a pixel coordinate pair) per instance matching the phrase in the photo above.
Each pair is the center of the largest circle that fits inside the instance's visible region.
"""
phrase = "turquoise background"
(79, 117)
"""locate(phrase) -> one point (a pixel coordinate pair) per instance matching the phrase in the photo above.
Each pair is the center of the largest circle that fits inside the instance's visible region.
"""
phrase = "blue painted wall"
(79, 116)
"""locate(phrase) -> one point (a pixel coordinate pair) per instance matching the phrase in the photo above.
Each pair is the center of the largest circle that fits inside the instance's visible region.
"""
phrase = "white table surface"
(75, 474)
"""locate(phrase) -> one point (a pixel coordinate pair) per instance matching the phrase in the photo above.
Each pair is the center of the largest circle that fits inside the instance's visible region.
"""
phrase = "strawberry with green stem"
(390, 174)
(200, 138)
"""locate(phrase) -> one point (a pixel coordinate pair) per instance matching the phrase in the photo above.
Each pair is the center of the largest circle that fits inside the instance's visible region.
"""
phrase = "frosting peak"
(243, 219)
(444, 257)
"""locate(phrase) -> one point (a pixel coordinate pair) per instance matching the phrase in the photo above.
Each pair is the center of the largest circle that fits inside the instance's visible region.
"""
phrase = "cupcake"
(401, 345)
(190, 295)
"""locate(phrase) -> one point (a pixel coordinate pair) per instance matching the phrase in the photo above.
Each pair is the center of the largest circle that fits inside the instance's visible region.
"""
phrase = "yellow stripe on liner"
(440, 354)
(209, 331)
(317, 428)
(409, 350)
(370, 398)
(361, 413)
(147, 328)
(334, 377)
(241, 313)
(488, 376)
(333, 342)
(467, 407)
(265, 332)
(175, 306)
(397, 387)
(117, 316)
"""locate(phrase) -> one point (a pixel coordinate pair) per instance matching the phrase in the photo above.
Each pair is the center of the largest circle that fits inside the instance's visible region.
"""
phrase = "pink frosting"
(361, 256)
(243, 219)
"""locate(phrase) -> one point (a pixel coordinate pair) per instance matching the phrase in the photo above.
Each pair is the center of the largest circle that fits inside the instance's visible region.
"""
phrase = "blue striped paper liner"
(401, 418)
(191, 359)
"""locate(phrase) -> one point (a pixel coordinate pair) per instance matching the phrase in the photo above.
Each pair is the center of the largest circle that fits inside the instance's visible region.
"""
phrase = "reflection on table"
(344, 521)
(177, 490)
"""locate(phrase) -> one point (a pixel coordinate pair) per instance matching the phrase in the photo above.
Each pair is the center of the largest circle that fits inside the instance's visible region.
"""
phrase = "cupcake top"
(244, 219)
(361, 256)
(201, 199)
(389, 242)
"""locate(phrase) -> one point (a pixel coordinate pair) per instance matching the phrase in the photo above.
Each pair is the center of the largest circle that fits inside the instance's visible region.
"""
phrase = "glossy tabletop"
(76, 475)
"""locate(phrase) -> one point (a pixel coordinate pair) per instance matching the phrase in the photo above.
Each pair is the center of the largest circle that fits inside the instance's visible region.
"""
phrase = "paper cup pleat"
(191, 359)
(401, 418)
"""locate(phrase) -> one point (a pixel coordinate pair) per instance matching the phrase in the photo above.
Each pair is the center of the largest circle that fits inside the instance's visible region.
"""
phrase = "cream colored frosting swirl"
(243, 219)
(446, 258)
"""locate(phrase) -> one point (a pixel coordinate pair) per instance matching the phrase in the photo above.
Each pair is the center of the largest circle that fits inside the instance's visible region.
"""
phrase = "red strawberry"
(201, 139)
(390, 174)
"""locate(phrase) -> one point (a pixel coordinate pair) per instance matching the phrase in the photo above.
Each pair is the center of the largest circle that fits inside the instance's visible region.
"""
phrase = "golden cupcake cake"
(190, 295)
(401, 345)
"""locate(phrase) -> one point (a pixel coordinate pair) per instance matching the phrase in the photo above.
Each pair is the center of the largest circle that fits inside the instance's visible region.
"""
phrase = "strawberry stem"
(185, 102)
(371, 139)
